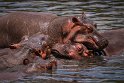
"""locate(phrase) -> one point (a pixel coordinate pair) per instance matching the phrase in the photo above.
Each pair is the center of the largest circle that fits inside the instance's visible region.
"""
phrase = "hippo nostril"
(26, 61)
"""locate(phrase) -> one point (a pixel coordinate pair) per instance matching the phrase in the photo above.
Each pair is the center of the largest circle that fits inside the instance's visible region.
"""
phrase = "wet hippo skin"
(23, 56)
(37, 43)
(70, 51)
(14, 26)
(28, 49)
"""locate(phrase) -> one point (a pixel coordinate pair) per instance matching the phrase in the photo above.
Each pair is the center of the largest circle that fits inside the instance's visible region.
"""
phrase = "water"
(108, 14)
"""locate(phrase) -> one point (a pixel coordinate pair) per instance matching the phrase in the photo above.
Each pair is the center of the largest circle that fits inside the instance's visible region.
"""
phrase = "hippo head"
(84, 31)
(70, 51)
(37, 44)
(88, 34)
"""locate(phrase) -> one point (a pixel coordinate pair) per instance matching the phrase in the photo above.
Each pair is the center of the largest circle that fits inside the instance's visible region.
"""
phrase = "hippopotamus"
(73, 51)
(25, 51)
(33, 52)
(26, 59)
(37, 43)
(60, 29)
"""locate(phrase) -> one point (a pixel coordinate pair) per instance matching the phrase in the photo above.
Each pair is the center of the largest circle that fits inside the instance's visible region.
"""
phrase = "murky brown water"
(108, 14)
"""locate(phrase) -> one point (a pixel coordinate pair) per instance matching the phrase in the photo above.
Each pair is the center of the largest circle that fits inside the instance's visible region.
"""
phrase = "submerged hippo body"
(116, 43)
(14, 26)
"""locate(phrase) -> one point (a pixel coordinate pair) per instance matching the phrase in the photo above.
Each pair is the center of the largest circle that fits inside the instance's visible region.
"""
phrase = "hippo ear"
(75, 20)
(83, 14)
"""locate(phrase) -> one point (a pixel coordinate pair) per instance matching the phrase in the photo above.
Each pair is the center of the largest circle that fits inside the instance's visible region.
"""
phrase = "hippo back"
(18, 24)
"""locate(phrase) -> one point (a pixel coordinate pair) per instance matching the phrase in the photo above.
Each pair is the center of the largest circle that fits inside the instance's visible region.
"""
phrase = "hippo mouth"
(92, 43)
(95, 52)
(97, 46)
(91, 50)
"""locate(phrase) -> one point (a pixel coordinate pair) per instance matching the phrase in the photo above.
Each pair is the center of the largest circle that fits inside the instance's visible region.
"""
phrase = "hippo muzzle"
(101, 43)
(93, 41)
(96, 41)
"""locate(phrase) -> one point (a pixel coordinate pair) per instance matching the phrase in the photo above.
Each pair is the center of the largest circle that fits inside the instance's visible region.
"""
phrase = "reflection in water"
(108, 14)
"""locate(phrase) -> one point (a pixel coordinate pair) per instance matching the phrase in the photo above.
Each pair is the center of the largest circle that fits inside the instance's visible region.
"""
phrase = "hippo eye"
(75, 20)
(64, 34)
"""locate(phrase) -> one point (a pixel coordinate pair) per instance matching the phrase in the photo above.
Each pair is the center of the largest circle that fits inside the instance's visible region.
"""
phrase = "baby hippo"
(70, 51)
(36, 43)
